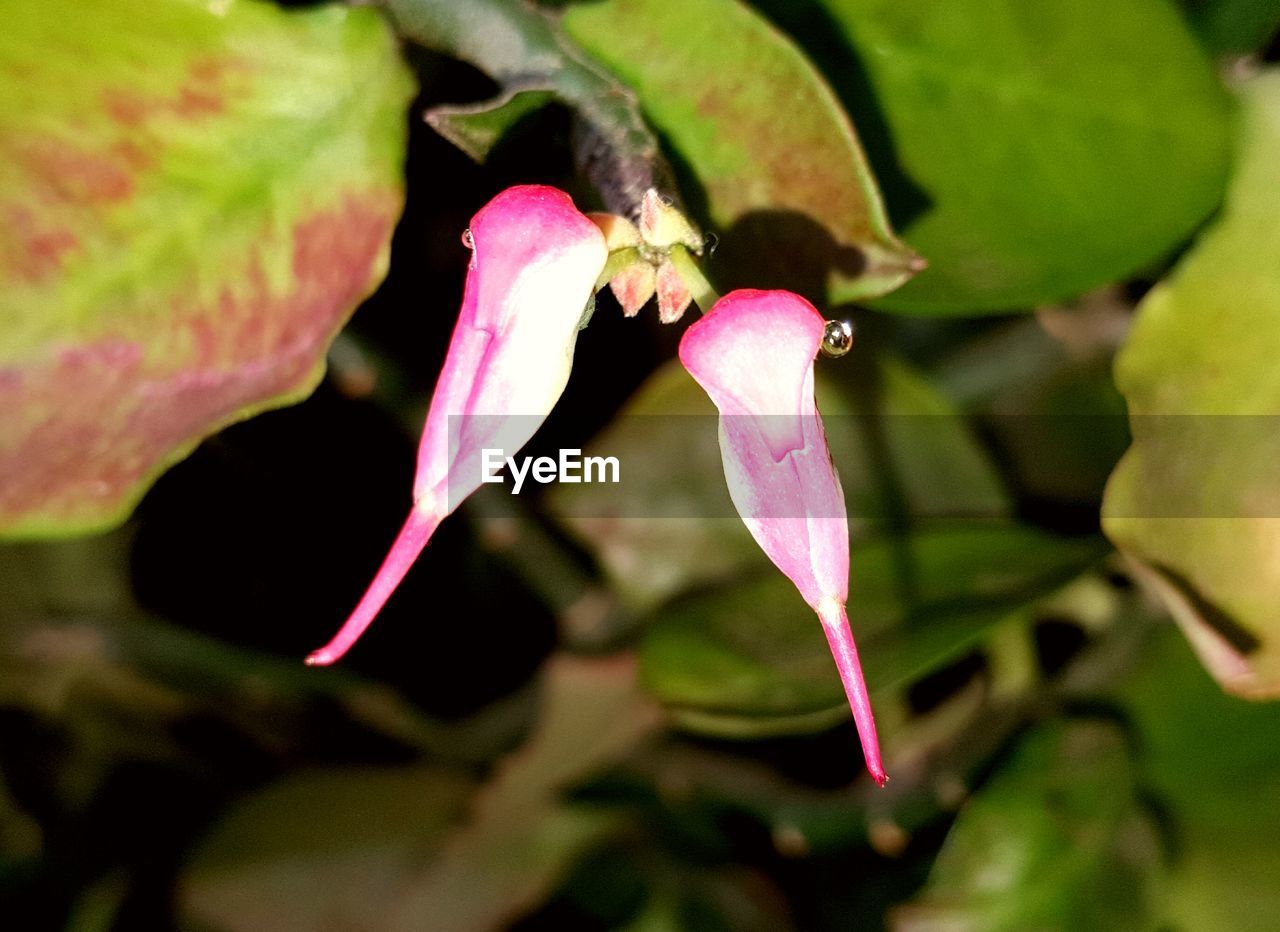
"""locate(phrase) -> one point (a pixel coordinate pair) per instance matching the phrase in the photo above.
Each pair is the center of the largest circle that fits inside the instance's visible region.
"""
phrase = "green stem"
(703, 294)
(618, 260)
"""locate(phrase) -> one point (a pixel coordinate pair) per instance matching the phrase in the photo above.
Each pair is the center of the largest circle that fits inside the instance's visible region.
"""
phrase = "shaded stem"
(703, 294)
(618, 260)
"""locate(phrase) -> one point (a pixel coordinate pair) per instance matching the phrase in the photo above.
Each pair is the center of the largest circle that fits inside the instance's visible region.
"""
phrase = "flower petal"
(754, 356)
(533, 268)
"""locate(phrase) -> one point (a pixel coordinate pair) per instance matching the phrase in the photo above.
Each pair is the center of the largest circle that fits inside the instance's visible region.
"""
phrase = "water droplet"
(837, 338)
(467, 239)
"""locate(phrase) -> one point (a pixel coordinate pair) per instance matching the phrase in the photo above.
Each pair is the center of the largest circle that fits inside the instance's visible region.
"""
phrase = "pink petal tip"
(835, 623)
(409, 543)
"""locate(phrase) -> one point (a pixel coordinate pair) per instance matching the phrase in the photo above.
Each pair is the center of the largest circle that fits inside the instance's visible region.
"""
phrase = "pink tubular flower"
(534, 264)
(753, 353)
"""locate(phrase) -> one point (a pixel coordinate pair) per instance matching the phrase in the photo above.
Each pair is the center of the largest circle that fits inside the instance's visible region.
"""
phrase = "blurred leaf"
(78, 656)
(1029, 151)
(783, 176)
(624, 887)
(813, 804)
(1195, 501)
(1233, 26)
(197, 197)
(75, 577)
(750, 659)
(1041, 388)
(98, 908)
(20, 837)
(522, 48)
(122, 691)
(1063, 436)
(670, 524)
(521, 837)
(1213, 763)
(660, 914)
(940, 470)
(667, 437)
(328, 849)
(1056, 840)
(422, 847)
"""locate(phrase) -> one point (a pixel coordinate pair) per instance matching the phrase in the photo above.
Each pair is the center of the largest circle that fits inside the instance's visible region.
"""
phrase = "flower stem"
(618, 260)
(703, 294)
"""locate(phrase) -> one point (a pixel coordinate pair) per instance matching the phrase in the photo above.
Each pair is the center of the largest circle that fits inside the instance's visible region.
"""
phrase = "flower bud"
(534, 264)
(754, 353)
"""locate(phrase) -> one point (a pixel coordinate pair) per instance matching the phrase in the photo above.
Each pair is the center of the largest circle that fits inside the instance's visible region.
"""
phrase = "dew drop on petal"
(837, 338)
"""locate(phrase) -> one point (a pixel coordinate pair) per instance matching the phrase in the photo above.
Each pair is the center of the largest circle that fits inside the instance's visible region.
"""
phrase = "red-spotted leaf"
(196, 195)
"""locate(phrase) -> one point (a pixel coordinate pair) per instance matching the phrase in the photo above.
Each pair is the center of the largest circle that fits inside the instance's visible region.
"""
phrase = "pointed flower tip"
(835, 624)
(674, 296)
(535, 261)
(633, 287)
(409, 543)
(662, 225)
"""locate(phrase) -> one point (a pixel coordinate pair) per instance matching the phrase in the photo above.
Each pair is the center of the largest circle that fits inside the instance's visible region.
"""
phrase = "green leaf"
(1029, 151)
(750, 659)
(477, 128)
(423, 847)
(1233, 26)
(940, 468)
(1195, 501)
(1212, 762)
(118, 690)
(1042, 390)
(522, 836)
(695, 533)
(196, 197)
(783, 177)
(1056, 840)
(522, 48)
(670, 525)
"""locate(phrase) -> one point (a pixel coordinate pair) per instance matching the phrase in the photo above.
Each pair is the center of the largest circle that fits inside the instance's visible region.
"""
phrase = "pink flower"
(753, 353)
(534, 264)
